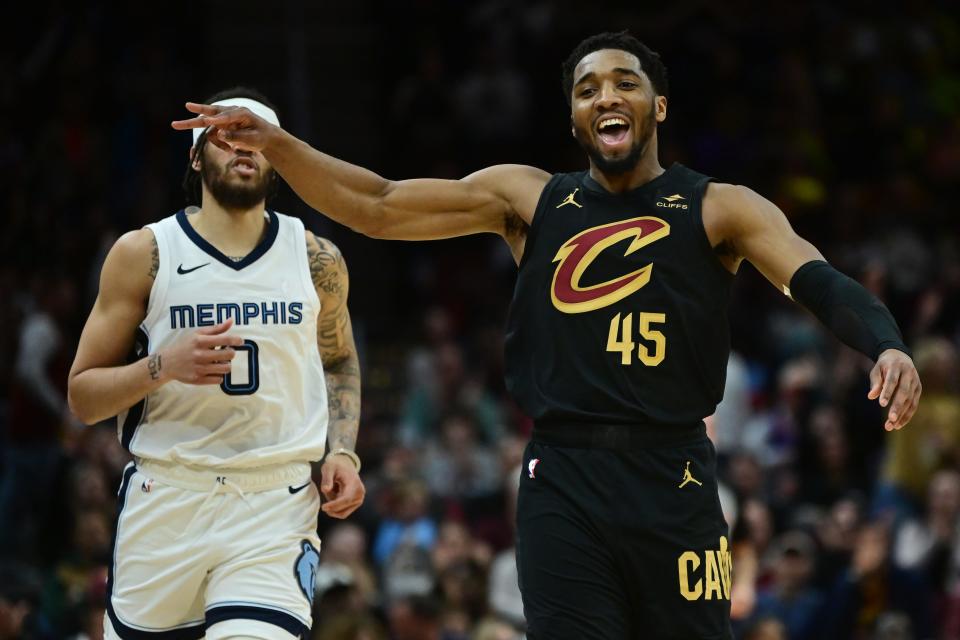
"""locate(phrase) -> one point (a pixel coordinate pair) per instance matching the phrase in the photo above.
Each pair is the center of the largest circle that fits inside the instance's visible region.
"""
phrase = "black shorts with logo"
(620, 535)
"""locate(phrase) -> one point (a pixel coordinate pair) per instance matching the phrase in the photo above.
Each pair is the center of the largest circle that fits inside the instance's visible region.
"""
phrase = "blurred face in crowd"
(12, 617)
(459, 434)
(345, 543)
(793, 569)
(944, 494)
(615, 109)
(237, 180)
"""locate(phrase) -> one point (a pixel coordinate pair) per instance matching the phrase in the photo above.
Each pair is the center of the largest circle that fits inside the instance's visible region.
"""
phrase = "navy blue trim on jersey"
(246, 612)
(141, 347)
(272, 230)
(194, 632)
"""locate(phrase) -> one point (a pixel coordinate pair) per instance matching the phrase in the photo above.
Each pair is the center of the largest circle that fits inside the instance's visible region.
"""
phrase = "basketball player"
(244, 369)
(617, 340)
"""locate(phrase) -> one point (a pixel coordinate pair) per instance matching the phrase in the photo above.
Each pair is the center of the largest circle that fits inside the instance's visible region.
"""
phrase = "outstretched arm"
(340, 482)
(492, 200)
(755, 229)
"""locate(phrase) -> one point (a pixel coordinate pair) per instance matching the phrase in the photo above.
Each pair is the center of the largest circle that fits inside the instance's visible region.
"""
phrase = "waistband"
(253, 480)
(622, 437)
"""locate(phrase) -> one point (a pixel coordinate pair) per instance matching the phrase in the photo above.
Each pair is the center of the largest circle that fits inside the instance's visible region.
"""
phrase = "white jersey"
(272, 408)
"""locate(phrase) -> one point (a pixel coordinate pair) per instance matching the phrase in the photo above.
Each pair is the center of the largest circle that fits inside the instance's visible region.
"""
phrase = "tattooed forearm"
(154, 257)
(343, 401)
(335, 341)
(154, 364)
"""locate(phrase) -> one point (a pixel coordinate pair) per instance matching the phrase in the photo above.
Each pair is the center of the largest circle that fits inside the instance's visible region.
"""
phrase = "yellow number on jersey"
(659, 340)
(625, 343)
(625, 346)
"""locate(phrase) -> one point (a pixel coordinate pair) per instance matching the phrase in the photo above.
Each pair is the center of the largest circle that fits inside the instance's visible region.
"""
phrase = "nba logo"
(147, 485)
(532, 466)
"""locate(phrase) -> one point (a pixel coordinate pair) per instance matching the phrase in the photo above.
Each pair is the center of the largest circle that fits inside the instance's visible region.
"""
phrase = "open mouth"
(244, 166)
(612, 130)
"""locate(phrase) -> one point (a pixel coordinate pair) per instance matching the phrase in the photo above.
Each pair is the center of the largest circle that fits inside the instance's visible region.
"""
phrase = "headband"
(258, 108)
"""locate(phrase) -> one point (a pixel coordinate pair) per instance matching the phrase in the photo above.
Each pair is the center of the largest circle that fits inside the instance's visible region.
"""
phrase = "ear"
(661, 108)
(194, 159)
(573, 128)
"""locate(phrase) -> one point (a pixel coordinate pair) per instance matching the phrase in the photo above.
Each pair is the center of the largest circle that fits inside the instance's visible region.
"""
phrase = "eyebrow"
(621, 70)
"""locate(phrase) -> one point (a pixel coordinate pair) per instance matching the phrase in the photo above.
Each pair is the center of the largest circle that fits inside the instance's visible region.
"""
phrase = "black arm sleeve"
(857, 318)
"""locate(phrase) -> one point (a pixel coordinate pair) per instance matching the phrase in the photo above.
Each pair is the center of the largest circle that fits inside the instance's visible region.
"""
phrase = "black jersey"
(619, 314)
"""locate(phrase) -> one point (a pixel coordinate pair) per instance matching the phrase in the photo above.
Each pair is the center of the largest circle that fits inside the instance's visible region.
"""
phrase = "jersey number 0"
(249, 387)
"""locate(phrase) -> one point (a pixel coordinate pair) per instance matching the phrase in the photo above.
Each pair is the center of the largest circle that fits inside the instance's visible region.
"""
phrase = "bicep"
(483, 202)
(765, 238)
(120, 307)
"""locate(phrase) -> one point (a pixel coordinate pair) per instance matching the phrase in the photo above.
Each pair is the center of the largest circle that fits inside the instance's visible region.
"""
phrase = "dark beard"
(233, 197)
(618, 166)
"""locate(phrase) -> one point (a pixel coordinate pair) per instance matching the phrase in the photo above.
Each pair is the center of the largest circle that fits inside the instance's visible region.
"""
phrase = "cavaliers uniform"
(217, 514)
(617, 345)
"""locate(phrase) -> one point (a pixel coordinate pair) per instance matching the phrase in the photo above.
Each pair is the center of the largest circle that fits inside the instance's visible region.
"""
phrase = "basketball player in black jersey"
(617, 339)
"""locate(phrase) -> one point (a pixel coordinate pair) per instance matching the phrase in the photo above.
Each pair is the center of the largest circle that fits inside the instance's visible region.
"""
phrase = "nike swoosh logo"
(182, 271)
(300, 488)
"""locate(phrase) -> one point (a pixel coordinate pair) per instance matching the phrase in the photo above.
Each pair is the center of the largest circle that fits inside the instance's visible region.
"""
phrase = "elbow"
(374, 224)
(78, 407)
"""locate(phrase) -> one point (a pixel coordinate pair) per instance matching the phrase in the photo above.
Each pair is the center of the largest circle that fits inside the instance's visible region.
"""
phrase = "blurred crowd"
(847, 115)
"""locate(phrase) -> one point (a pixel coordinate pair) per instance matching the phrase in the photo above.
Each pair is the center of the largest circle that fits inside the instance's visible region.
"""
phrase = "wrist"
(347, 453)
(273, 138)
(156, 371)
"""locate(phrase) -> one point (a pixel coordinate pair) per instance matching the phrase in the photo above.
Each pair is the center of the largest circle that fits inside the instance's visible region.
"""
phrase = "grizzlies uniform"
(217, 514)
(617, 344)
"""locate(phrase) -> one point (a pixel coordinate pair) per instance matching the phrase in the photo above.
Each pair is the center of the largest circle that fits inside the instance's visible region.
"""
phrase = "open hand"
(230, 128)
(895, 381)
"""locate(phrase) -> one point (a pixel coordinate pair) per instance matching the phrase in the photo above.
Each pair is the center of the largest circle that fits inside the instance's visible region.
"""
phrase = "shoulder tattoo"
(154, 257)
(327, 266)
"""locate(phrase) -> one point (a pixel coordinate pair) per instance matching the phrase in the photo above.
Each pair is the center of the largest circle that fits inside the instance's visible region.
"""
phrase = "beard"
(618, 166)
(235, 195)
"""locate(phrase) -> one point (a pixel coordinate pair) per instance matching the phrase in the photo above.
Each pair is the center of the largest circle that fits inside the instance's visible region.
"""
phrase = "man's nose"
(608, 97)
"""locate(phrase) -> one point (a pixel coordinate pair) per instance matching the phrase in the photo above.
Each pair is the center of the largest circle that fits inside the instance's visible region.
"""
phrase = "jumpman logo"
(688, 477)
(569, 200)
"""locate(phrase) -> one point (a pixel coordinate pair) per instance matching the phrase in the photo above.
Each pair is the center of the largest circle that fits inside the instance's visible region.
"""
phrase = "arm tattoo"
(335, 340)
(154, 257)
(154, 365)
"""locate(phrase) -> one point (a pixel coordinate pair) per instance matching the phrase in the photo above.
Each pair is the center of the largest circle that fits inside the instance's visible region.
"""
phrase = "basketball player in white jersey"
(244, 369)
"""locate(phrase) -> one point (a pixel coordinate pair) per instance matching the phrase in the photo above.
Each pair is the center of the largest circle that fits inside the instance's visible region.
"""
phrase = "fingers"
(890, 382)
(876, 382)
(243, 139)
(190, 123)
(217, 328)
(905, 402)
(351, 497)
(218, 369)
(344, 491)
(204, 109)
(204, 357)
(213, 138)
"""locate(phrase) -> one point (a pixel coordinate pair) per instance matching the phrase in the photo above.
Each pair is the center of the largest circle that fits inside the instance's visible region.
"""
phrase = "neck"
(234, 233)
(646, 169)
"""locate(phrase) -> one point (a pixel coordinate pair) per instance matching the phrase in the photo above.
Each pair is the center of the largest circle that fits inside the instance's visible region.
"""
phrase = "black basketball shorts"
(623, 543)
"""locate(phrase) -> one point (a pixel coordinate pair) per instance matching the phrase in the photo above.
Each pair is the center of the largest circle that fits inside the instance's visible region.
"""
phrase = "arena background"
(846, 114)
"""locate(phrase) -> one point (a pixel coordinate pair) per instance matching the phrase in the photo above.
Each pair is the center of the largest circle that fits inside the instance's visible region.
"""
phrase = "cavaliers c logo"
(580, 251)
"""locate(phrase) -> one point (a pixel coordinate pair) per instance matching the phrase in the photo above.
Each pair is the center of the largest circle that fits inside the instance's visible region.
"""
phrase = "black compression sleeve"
(857, 318)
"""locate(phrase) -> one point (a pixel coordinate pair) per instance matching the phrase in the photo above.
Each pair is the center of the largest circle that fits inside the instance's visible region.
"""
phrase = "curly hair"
(650, 61)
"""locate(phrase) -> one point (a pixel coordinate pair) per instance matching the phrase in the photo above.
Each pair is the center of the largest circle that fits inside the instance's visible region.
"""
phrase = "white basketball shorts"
(213, 553)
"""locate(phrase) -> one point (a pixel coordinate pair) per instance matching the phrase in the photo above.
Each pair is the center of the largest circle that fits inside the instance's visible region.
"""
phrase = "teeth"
(612, 121)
